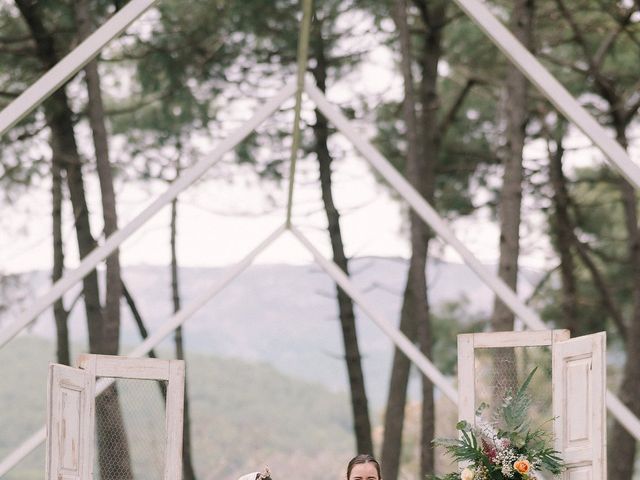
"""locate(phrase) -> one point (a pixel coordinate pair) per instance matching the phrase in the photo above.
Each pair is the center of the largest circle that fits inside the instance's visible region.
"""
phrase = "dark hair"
(360, 459)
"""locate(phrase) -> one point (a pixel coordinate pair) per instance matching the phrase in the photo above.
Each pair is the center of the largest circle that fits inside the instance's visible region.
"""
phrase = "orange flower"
(522, 466)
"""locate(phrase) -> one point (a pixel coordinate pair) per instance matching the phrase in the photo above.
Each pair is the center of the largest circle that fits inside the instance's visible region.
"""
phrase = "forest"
(516, 180)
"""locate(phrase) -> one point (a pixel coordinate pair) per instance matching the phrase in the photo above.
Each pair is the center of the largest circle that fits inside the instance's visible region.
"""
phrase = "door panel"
(579, 374)
(70, 424)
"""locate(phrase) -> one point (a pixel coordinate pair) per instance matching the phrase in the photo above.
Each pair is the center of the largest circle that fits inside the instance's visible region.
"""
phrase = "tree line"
(459, 134)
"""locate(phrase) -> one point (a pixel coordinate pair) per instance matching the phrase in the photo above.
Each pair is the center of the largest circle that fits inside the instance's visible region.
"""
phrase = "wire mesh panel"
(135, 429)
(500, 371)
(130, 435)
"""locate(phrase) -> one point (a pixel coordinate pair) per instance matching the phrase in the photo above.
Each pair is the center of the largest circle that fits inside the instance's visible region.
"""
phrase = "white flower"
(505, 459)
(467, 474)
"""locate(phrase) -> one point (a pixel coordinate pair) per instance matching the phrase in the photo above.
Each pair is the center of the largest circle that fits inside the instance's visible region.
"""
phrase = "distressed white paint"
(530, 338)
(71, 411)
(174, 420)
(466, 378)
(579, 380)
(70, 424)
(469, 342)
(125, 367)
(578, 392)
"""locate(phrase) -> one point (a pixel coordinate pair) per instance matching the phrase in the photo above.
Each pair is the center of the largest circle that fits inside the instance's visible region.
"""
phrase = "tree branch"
(23, 39)
(136, 315)
(631, 110)
(421, 5)
(11, 95)
(541, 283)
(607, 43)
(73, 303)
(606, 296)
(449, 117)
(605, 87)
(563, 63)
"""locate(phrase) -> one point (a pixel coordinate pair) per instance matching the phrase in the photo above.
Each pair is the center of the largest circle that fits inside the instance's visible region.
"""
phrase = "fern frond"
(514, 411)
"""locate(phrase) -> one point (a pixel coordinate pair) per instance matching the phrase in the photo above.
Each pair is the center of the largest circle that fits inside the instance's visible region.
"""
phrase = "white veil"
(250, 476)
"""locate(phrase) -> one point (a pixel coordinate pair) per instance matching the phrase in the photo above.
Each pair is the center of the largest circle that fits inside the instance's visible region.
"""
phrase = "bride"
(264, 475)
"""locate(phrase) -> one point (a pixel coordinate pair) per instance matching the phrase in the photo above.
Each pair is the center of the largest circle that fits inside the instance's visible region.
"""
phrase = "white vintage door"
(70, 424)
(579, 381)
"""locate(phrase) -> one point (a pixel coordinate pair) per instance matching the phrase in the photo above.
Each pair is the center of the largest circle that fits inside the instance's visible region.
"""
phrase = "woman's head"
(363, 467)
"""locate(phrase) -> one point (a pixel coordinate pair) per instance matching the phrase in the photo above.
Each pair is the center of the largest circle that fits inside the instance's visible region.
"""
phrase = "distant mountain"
(286, 315)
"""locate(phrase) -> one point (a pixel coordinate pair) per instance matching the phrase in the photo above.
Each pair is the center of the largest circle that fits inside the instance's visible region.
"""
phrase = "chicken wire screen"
(500, 371)
(130, 431)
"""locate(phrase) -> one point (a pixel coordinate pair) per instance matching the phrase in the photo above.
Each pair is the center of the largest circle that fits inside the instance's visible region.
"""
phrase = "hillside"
(285, 315)
(243, 417)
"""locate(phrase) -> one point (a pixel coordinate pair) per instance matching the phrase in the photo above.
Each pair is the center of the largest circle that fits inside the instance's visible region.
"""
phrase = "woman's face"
(364, 471)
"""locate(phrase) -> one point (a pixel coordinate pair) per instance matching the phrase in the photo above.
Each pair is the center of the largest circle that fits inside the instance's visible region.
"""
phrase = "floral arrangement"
(506, 448)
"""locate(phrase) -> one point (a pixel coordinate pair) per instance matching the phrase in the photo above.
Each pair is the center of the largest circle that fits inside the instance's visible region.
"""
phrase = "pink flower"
(489, 450)
(503, 443)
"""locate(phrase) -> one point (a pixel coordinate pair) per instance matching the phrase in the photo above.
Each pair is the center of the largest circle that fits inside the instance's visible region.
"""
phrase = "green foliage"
(467, 122)
(598, 214)
(447, 321)
(494, 448)
(467, 447)
(20, 168)
(461, 157)
(589, 45)
(514, 411)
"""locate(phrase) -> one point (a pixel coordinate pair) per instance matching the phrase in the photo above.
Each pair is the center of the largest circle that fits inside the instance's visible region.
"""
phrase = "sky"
(219, 222)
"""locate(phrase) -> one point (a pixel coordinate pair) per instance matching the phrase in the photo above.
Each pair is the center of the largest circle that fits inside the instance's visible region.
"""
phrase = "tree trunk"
(516, 117)
(188, 470)
(59, 313)
(114, 462)
(414, 314)
(111, 329)
(563, 232)
(59, 118)
(359, 402)
(622, 453)
(434, 18)
(563, 229)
